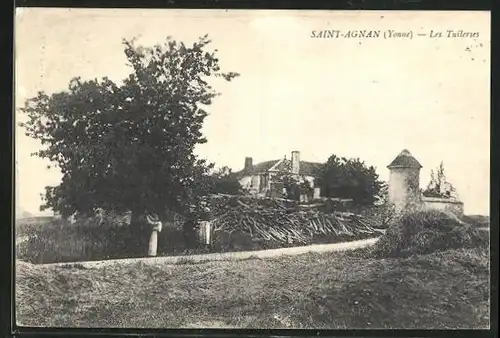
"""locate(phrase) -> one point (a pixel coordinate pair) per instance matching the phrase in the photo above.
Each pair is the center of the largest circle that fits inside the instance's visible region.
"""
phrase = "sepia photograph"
(252, 169)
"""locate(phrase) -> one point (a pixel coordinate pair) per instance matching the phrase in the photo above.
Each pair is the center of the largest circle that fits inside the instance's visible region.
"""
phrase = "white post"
(153, 239)
(153, 243)
(207, 233)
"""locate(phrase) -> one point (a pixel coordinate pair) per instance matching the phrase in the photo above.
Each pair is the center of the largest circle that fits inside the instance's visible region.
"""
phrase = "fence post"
(208, 233)
(153, 243)
(153, 239)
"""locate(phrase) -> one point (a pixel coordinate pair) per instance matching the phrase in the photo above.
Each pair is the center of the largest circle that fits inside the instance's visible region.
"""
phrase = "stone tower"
(404, 180)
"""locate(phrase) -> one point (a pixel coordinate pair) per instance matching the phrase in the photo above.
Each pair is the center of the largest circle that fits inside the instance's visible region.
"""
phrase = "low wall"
(444, 204)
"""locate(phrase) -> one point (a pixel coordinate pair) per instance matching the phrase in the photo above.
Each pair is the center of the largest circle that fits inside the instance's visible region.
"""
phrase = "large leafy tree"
(129, 146)
(224, 181)
(350, 178)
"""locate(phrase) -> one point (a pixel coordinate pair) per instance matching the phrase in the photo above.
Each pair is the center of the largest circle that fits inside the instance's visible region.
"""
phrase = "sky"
(353, 97)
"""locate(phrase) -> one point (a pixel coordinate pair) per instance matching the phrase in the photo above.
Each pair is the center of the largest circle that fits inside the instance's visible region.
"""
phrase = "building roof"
(306, 168)
(282, 165)
(259, 168)
(310, 168)
(405, 160)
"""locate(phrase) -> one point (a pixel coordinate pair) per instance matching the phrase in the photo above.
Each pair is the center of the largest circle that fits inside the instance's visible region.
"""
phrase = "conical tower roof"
(405, 160)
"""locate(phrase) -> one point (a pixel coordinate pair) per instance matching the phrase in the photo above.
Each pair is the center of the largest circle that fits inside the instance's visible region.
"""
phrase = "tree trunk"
(189, 234)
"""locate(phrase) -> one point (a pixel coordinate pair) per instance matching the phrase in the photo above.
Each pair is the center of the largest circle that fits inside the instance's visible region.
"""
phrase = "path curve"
(228, 256)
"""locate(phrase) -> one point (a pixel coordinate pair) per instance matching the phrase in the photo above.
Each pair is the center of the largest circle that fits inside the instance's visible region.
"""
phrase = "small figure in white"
(154, 221)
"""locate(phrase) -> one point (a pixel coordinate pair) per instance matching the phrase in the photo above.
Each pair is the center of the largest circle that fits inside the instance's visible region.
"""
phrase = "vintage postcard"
(252, 169)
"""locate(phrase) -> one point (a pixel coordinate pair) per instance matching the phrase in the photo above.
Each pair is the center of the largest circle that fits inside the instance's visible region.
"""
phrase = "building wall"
(404, 186)
(317, 193)
(268, 178)
(258, 183)
(310, 179)
(444, 204)
(251, 183)
(255, 185)
(246, 182)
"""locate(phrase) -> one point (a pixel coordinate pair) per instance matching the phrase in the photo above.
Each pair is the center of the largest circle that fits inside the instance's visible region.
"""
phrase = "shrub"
(425, 231)
(477, 220)
(350, 178)
(380, 216)
(59, 241)
(89, 239)
(25, 226)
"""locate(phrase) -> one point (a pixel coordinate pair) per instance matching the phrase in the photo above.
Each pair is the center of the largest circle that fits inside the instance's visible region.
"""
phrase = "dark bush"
(426, 231)
(477, 221)
(87, 239)
(171, 241)
(59, 241)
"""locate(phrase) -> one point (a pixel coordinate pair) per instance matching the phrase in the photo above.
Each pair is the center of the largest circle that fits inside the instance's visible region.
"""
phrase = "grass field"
(448, 289)
(428, 271)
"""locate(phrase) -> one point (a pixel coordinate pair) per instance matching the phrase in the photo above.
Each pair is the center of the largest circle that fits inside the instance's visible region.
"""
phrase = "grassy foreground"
(447, 289)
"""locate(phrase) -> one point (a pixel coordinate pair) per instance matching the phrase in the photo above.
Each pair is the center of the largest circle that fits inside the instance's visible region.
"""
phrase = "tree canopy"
(350, 178)
(130, 145)
(224, 181)
(438, 185)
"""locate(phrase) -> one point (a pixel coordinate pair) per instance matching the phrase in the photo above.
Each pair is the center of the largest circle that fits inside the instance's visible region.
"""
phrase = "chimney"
(295, 162)
(248, 164)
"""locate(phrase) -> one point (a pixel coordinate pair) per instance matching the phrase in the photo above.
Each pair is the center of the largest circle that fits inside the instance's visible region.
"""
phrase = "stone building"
(404, 187)
(259, 179)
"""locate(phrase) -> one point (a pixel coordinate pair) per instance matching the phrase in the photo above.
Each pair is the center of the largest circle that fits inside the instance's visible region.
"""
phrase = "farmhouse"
(260, 179)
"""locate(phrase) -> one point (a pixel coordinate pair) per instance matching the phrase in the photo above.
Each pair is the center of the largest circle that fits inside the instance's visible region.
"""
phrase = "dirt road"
(232, 255)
